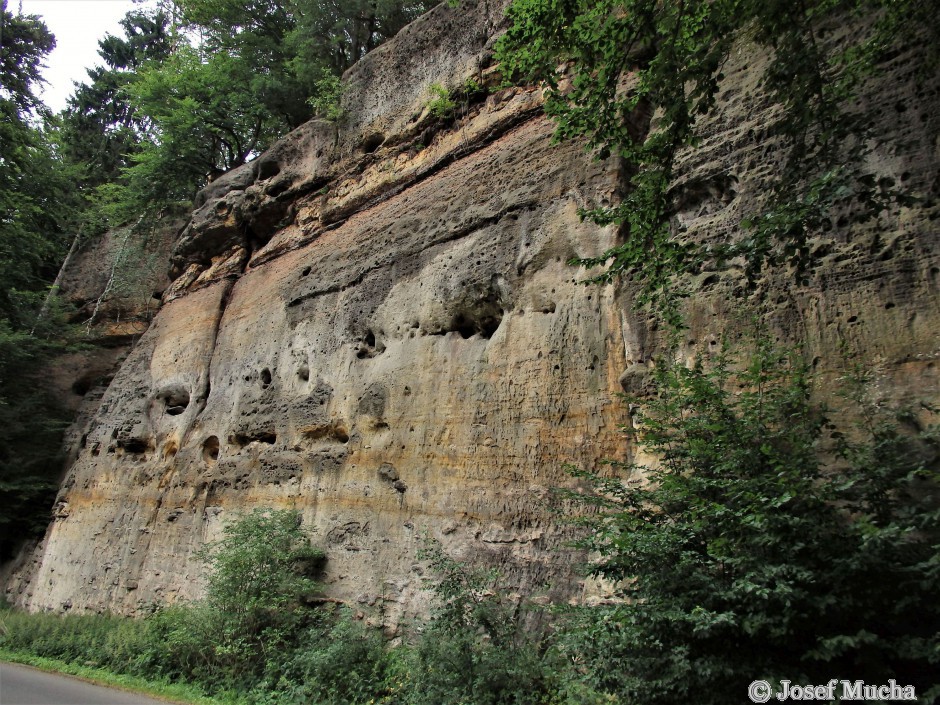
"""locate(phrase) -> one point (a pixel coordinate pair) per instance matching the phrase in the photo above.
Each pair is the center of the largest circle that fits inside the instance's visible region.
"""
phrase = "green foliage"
(478, 648)
(261, 577)
(328, 92)
(203, 122)
(290, 45)
(101, 127)
(24, 42)
(629, 60)
(94, 640)
(334, 36)
(169, 114)
(442, 105)
(31, 427)
(445, 103)
(37, 207)
(336, 661)
(167, 690)
(746, 554)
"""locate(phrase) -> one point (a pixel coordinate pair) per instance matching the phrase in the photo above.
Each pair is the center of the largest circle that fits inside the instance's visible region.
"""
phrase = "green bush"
(750, 552)
(334, 662)
(94, 640)
(476, 650)
(183, 646)
(442, 105)
(326, 100)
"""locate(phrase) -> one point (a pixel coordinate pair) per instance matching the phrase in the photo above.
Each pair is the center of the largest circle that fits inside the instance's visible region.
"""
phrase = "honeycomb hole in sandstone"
(175, 400)
(170, 449)
(210, 450)
(268, 168)
(476, 312)
(266, 378)
(369, 347)
(335, 431)
(135, 446)
(240, 440)
(481, 317)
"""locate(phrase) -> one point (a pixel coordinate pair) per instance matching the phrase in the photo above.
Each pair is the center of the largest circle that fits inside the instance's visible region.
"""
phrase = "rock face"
(375, 323)
(114, 284)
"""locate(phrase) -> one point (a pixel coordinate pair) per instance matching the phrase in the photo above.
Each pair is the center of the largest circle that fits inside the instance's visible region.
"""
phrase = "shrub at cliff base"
(262, 574)
(742, 556)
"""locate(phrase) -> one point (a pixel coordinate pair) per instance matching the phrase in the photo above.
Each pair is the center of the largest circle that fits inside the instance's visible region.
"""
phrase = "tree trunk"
(54, 289)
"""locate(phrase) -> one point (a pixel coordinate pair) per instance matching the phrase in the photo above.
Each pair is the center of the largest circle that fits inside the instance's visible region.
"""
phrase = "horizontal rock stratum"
(375, 322)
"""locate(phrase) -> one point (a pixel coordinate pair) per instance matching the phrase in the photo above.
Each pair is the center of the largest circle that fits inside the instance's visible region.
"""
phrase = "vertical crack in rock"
(203, 398)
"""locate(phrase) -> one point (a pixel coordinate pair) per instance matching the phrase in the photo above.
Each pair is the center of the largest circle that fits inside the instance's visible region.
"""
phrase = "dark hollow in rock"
(243, 439)
(175, 400)
(210, 449)
(479, 311)
(372, 142)
(83, 385)
(482, 319)
(268, 168)
(134, 445)
(369, 347)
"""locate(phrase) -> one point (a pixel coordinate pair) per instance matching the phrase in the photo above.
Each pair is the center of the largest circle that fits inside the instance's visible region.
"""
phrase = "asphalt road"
(22, 685)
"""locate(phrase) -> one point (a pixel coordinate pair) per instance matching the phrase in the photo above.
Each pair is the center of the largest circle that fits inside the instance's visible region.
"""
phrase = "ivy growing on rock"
(636, 76)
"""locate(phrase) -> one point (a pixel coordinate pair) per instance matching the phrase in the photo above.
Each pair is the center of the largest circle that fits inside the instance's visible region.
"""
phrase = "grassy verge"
(164, 690)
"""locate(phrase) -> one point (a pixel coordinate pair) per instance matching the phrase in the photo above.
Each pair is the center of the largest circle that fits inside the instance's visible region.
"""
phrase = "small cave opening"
(210, 449)
(176, 406)
(369, 347)
(370, 143)
(463, 325)
(479, 312)
(83, 385)
(134, 445)
(266, 378)
(240, 440)
(175, 400)
(481, 320)
(267, 169)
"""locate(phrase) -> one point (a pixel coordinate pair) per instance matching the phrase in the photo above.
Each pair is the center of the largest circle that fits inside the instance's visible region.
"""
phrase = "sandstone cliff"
(374, 322)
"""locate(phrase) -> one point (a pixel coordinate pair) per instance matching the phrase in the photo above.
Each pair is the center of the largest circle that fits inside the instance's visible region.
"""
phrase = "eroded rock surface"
(375, 323)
